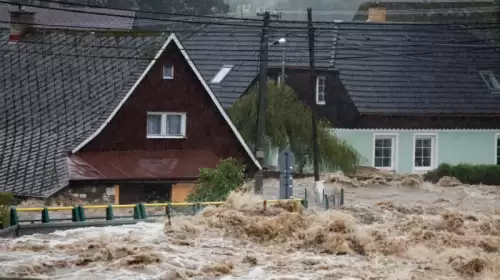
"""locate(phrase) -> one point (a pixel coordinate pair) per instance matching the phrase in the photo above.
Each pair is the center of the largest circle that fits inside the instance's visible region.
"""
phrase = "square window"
(424, 152)
(384, 152)
(154, 124)
(168, 72)
(166, 125)
(174, 124)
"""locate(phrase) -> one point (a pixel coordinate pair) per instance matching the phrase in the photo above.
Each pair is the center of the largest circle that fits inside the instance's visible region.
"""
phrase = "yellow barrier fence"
(139, 210)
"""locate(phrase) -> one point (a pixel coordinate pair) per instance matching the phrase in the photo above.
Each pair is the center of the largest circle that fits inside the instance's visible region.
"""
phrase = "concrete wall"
(29, 229)
(94, 193)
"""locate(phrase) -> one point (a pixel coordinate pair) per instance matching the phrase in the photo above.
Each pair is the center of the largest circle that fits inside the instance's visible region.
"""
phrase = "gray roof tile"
(53, 96)
(434, 77)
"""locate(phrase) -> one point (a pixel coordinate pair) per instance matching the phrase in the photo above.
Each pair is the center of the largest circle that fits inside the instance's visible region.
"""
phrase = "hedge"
(467, 173)
(6, 200)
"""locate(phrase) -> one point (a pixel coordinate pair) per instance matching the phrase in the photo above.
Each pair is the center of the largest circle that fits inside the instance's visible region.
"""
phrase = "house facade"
(406, 96)
(123, 117)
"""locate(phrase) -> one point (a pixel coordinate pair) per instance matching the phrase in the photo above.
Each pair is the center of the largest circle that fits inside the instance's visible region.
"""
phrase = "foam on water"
(406, 233)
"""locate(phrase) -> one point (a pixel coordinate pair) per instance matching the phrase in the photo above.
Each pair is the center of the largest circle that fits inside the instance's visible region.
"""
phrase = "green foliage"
(288, 123)
(467, 173)
(216, 184)
(6, 200)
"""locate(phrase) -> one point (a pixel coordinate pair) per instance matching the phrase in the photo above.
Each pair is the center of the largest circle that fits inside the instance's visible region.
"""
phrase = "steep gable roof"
(172, 39)
(56, 89)
(386, 68)
(59, 89)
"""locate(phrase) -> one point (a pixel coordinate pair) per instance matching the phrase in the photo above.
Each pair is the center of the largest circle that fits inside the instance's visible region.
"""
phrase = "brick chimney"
(377, 14)
(20, 23)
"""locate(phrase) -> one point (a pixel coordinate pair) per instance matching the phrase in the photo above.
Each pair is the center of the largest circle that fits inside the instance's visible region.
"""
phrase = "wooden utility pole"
(261, 119)
(312, 88)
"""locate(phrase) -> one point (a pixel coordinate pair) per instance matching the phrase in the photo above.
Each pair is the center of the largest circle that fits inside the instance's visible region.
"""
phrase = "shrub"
(467, 173)
(216, 184)
(6, 200)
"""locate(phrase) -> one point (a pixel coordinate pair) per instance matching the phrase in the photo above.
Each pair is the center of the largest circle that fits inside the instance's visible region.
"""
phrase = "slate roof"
(56, 89)
(386, 68)
(51, 18)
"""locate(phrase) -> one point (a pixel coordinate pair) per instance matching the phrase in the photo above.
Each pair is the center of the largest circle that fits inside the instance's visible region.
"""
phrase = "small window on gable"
(168, 72)
(217, 79)
(490, 79)
(321, 90)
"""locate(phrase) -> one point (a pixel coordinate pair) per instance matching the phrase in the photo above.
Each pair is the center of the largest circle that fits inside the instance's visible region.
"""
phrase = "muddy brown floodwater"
(383, 232)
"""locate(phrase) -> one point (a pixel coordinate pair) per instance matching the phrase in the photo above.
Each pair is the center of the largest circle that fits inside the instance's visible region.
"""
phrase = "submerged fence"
(78, 213)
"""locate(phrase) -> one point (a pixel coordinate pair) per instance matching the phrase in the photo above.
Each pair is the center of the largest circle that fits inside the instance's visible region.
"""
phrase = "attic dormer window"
(490, 79)
(217, 79)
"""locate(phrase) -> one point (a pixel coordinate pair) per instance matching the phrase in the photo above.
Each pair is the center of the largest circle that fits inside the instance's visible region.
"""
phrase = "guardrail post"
(109, 213)
(13, 217)
(333, 199)
(325, 202)
(341, 197)
(45, 215)
(81, 212)
(75, 214)
(304, 201)
(137, 212)
(167, 212)
(264, 203)
(142, 208)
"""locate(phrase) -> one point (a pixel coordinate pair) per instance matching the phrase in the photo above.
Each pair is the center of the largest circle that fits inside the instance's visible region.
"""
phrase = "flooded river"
(384, 232)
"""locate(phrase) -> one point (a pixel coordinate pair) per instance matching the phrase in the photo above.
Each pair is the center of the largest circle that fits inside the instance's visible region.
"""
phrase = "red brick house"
(107, 119)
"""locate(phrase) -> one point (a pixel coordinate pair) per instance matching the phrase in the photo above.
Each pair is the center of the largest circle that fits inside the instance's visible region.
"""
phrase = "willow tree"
(288, 124)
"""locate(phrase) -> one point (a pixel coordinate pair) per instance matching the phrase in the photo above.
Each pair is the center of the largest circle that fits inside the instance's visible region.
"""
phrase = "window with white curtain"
(166, 125)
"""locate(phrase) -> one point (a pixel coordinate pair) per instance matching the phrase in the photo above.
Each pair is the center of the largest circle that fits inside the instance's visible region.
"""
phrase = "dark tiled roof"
(216, 45)
(66, 19)
(435, 76)
(56, 88)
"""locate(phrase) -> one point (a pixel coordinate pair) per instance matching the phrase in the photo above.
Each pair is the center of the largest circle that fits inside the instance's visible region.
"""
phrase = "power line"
(228, 23)
(150, 12)
(127, 16)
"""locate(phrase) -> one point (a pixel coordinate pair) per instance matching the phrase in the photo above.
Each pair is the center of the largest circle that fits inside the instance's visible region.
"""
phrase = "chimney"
(377, 14)
(20, 23)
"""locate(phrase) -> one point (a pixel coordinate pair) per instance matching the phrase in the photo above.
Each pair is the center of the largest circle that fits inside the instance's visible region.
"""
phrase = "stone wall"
(93, 193)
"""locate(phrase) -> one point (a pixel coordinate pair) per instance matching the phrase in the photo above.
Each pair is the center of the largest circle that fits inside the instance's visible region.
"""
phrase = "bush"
(216, 184)
(6, 200)
(467, 173)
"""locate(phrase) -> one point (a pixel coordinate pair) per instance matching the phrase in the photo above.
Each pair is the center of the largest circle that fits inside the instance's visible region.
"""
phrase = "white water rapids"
(383, 232)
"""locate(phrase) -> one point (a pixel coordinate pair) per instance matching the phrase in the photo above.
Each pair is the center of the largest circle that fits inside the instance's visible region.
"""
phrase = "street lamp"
(281, 41)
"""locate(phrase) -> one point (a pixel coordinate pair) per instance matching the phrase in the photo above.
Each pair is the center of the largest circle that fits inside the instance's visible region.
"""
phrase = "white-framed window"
(217, 79)
(490, 79)
(168, 72)
(424, 152)
(497, 148)
(384, 151)
(321, 90)
(166, 125)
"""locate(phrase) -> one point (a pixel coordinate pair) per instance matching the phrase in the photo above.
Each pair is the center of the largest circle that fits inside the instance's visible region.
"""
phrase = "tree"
(6, 200)
(288, 124)
(216, 184)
